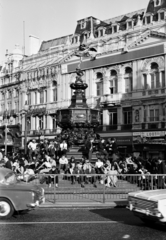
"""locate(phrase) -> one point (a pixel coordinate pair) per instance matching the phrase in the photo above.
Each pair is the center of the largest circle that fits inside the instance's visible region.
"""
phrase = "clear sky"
(48, 19)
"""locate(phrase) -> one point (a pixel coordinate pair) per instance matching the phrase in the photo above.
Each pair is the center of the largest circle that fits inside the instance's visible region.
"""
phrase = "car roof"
(4, 172)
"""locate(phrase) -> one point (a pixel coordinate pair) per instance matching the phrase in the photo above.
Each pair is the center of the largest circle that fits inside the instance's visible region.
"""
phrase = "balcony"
(111, 127)
(126, 127)
(111, 100)
(152, 92)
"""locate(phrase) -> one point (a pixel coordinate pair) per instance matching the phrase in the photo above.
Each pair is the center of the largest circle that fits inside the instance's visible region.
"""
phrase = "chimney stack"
(34, 44)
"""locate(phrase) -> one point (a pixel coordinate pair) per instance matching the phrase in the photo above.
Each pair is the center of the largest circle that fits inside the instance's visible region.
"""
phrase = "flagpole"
(6, 134)
(5, 138)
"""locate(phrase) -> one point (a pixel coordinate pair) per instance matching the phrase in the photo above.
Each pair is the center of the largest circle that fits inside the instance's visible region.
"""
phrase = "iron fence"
(86, 188)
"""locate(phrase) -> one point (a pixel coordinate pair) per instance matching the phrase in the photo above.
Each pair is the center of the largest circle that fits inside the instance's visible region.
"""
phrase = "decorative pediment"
(148, 37)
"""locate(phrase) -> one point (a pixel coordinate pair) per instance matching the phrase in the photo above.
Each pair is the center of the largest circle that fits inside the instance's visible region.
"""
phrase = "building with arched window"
(126, 81)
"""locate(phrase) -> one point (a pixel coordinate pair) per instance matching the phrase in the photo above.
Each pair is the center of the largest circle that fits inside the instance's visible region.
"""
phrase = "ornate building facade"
(126, 81)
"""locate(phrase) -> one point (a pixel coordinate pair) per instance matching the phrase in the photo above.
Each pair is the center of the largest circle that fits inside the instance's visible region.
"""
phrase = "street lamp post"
(5, 137)
(6, 123)
(5, 142)
(26, 107)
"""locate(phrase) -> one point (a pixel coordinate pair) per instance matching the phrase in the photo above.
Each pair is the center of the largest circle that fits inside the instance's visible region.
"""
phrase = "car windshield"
(9, 178)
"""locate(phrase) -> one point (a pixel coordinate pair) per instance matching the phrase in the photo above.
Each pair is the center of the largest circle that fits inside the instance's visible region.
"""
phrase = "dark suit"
(161, 170)
(8, 165)
(102, 148)
(51, 151)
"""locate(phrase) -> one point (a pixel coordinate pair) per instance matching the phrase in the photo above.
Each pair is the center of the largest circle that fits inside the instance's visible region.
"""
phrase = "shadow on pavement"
(124, 216)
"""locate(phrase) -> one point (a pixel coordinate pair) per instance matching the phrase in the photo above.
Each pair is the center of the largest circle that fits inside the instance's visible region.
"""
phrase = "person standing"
(31, 149)
(161, 170)
(63, 148)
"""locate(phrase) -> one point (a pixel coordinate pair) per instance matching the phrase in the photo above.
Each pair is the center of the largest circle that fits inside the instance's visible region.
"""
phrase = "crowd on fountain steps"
(50, 157)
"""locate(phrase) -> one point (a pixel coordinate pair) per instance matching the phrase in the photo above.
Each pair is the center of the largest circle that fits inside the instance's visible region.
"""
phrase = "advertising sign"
(156, 137)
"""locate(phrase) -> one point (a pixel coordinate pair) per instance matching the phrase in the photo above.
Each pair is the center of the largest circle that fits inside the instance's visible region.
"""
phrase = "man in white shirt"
(63, 163)
(63, 147)
(99, 166)
(31, 149)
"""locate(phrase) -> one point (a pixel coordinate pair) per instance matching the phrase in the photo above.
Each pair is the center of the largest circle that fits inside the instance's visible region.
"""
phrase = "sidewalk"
(89, 204)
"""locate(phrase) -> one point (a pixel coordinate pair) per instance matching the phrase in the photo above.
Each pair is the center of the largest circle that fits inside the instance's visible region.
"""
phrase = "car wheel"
(6, 209)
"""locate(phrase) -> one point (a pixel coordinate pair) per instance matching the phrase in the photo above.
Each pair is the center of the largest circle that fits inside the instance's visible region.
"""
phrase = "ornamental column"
(32, 123)
(105, 119)
(120, 118)
(121, 83)
(106, 86)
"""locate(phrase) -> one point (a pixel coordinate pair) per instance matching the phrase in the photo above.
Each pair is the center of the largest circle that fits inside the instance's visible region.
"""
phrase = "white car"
(149, 206)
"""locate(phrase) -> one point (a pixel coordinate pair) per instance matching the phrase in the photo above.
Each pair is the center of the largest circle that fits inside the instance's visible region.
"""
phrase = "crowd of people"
(47, 159)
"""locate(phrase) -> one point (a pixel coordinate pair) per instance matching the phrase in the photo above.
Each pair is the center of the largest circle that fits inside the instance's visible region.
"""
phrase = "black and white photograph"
(82, 119)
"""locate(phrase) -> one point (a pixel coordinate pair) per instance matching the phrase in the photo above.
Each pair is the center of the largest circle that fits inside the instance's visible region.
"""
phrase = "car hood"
(153, 195)
(21, 186)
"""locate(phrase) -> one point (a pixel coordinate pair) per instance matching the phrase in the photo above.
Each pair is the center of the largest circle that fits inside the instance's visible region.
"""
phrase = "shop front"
(124, 143)
(10, 137)
(150, 144)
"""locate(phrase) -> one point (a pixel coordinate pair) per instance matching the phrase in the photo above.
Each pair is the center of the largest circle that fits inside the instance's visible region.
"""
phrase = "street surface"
(72, 224)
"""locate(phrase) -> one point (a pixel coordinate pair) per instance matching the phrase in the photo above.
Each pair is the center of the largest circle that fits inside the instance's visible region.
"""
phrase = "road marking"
(82, 222)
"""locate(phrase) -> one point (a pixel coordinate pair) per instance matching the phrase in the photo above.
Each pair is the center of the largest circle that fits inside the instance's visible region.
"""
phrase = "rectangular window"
(162, 16)
(148, 20)
(154, 115)
(15, 103)
(127, 114)
(99, 89)
(9, 105)
(101, 33)
(110, 31)
(152, 81)
(45, 96)
(16, 93)
(113, 118)
(157, 79)
(41, 122)
(145, 81)
(42, 97)
(45, 122)
(55, 97)
(163, 79)
(145, 115)
(9, 95)
(83, 25)
(127, 85)
(36, 102)
(29, 99)
(129, 25)
(54, 125)
(28, 123)
(115, 29)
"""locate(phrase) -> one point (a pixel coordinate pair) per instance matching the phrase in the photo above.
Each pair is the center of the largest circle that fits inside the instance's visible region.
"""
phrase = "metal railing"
(87, 188)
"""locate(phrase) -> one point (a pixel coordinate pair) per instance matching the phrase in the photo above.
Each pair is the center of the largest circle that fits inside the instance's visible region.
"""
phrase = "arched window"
(99, 83)
(128, 79)
(113, 82)
(155, 79)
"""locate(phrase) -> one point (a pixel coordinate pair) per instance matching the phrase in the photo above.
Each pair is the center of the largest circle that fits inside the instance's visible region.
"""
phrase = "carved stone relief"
(146, 65)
